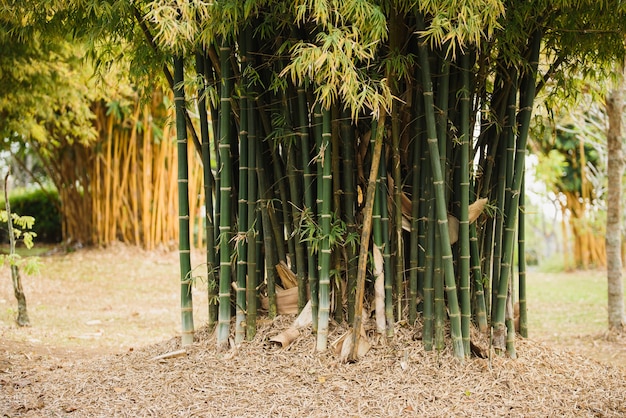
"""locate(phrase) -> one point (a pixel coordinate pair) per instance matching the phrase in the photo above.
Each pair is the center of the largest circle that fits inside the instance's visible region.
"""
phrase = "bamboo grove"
(375, 148)
(129, 172)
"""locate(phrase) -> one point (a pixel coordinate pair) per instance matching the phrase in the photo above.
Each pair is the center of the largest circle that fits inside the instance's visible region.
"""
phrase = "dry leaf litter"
(396, 378)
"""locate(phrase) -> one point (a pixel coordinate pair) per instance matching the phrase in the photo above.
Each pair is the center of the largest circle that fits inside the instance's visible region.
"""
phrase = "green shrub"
(41, 205)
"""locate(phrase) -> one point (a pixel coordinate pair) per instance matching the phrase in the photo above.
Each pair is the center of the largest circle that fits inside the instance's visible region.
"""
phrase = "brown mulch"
(396, 378)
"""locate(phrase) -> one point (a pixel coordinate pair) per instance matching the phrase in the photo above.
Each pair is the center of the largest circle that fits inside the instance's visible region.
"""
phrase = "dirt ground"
(101, 319)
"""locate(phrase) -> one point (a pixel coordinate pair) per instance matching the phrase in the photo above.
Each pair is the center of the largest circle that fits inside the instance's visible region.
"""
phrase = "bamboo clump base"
(258, 378)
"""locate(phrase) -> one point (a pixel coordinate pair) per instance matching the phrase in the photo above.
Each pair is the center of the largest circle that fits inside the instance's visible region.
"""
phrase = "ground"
(101, 319)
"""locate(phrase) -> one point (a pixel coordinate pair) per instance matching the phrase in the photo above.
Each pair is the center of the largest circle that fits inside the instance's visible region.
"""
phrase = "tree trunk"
(614, 106)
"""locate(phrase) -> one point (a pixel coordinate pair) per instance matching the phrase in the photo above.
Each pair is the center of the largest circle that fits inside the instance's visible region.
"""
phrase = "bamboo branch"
(168, 75)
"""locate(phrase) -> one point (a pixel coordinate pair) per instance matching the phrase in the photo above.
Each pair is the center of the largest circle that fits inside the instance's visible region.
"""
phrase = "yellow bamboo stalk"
(146, 180)
(566, 257)
(159, 191)
(95, 196)
(134, 181)
(108, 146)
(115, 195)
(159, 201)
(125, 155)
(581, 233)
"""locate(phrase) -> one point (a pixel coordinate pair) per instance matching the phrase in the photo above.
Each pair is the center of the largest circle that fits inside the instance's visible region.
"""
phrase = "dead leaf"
(171, 354)
(290, 334)
(286, 337)
(476, 208)
(287, 277)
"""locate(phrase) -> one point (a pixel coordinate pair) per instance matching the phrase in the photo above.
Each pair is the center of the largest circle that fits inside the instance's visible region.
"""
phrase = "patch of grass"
(569, 310)
(37, 250)
(567, 303)
(552, 265)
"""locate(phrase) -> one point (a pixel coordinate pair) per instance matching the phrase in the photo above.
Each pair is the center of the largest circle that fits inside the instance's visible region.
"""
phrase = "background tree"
(614, 232)
(106, 147)
(570, 163)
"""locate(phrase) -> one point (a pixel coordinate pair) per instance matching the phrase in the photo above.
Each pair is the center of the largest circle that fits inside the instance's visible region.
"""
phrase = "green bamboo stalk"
(282, 221)
(429, 288)
(378, 129)
(464, 184)
(296, 248)
(527, 96)
(296, 203)
(424, 191)
(254, 261)
(308, 188)
(377, 230)
(254, 248)
(441, 106)
(337, 287)
(398, 242)
(208, 179)
(440, 200)
(243, 198)
(439, 291)
(521, 263)
(336, 209)
(211, 80)
(509, 322)
(504, 160)
(316, 186)
(265, 201)
(349, 205)
(325, 213)
(184, 254)
(484, 251)
(477, 276)
(414, 248)
(394, 266)
(386, 244)
(416, 193)
(225, 162)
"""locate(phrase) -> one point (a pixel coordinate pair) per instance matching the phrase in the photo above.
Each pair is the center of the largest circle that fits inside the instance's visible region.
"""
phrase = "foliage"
(45, 93)
(560, 161)
(43, 205)
(22, 230)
